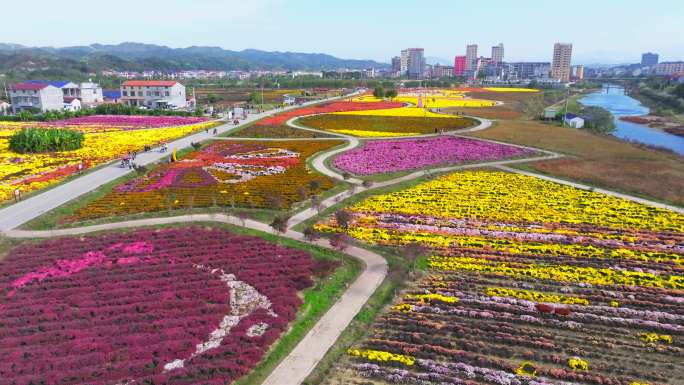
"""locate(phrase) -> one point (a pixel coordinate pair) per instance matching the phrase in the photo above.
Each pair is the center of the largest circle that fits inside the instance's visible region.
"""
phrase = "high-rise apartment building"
(459, 66)
(471, 57)
(498, 54)
(649, 59)
(578, 72)
(403, 62)
(560, 66)
(415, 62)
(471, 61)
(396, 64)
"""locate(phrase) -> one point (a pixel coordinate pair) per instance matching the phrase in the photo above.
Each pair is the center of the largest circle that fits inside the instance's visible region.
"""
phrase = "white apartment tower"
(403, 62)
(562, 57)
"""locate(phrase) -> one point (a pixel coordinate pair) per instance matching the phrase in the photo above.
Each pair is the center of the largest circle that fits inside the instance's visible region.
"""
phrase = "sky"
(602, 31)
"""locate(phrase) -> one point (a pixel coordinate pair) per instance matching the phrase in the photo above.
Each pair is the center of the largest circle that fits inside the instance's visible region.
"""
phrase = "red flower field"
(172, 306)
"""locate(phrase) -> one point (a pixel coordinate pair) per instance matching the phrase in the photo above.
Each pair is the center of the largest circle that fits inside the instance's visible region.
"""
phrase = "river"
(613, 99)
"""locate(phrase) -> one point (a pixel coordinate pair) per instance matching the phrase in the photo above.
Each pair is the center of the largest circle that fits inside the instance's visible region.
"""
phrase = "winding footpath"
(19, 213)
(294, 368)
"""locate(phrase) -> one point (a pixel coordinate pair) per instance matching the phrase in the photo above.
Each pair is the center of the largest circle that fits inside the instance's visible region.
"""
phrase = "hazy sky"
(606, 31)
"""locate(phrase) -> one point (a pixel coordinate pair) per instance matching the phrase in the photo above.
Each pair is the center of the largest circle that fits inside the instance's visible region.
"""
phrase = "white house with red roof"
(157, 94)
(36, 97)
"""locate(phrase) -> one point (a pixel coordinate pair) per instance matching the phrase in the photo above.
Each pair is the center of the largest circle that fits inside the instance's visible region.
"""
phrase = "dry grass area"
(507, 97)
(498, 112)
(598, 160)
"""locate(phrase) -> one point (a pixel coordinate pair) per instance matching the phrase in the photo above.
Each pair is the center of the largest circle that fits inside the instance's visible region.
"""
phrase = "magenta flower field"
(386, 156)
(128, 121)
(173, 306)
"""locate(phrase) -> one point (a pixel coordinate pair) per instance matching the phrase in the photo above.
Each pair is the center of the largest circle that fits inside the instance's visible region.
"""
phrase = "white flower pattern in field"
(244, 300)
(246, 172)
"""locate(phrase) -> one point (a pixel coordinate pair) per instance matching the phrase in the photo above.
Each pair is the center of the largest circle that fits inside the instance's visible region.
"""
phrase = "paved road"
(19, 213)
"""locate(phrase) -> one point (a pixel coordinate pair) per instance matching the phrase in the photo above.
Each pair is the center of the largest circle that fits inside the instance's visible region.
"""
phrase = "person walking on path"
(17, 195)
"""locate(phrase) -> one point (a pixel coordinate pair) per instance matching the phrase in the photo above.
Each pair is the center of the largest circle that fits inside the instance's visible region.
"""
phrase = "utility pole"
(565, 113)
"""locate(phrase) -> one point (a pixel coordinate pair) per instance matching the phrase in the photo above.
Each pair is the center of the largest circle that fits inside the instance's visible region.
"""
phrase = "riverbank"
(626, 111)
(663, 123)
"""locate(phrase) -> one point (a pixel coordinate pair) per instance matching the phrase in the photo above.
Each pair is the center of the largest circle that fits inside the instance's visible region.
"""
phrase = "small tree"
(243, 217)
(340, 241)
(211, 98)
(311, 234)
(316, 203)
(413, 252)
(279, 223)
(367, 184)
(275, 201)
(379, 92)
(314, 185)
(140, 170)
(391, 94)
(343, 217)
(302, 193)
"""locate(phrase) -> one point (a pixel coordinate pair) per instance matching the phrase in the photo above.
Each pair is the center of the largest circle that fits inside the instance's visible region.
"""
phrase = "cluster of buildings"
(205, 74)
(42, 96)
(650, 65)
(411, 64)
(45, 95)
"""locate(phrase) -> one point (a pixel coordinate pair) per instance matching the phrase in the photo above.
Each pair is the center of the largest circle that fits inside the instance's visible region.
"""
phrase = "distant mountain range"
(138, 57)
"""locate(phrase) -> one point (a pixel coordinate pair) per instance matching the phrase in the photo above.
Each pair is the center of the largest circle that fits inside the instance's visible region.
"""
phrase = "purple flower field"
(385, 156)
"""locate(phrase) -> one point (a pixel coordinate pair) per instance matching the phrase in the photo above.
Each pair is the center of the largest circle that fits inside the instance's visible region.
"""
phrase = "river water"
(614, 100)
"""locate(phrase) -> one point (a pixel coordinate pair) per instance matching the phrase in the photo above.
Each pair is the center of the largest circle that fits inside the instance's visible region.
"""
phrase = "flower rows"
(100, 123)
(253, 174)
(528, 282)
(280, 119)
(386, 156)
(173, 306)
(30, 172)
(384, 126)
(519, 198)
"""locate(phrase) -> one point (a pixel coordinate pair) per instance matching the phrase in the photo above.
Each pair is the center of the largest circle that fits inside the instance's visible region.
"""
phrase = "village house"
(155, 94)
(36, 97)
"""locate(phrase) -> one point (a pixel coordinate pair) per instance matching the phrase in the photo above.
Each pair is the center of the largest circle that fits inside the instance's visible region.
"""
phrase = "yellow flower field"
(430, 101)
(509, 89)
(401, 112)
(511, 197)
(375, 134)
(30, 172)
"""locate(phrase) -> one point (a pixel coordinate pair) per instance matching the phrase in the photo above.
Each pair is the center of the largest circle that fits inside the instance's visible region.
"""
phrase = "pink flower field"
(386, 156)
(172, 306)
(127, 121)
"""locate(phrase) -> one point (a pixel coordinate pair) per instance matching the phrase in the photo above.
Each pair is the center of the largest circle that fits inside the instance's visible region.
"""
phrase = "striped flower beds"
(528, 282)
